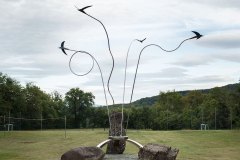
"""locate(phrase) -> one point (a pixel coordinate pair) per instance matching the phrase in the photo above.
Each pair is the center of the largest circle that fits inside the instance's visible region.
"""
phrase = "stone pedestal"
(116, 146)
(121, 157)
(84, 153)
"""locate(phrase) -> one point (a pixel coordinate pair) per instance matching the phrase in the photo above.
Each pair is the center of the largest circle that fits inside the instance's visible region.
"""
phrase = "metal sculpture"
(64, 49)
(109, 48)
(125, 77)
(197, 36)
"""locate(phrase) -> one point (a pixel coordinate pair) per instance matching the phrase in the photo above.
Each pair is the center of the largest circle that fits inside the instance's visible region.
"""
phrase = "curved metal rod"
(109, 48)
(138, 145)
(100, 145)
(70, 67)
(135, 76)
(100, 70)
(125, 77)
(135, 143)
(140, 57)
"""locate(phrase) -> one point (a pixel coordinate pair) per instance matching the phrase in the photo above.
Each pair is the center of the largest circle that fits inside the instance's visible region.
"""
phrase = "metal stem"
(103, 84)
(135, 76)
(109, 48)
(124, 84)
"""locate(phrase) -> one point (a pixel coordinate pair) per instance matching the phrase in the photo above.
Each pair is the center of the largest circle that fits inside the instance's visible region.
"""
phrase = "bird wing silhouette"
(198, 35)
(82, 9)
(86, 7)
(62, 47)
(143, 40)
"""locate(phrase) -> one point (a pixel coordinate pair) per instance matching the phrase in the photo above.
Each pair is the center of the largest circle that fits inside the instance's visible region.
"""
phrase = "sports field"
(51, 144)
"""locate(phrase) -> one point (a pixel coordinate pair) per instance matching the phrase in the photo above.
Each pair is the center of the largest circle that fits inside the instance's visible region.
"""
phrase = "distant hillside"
(148, 101)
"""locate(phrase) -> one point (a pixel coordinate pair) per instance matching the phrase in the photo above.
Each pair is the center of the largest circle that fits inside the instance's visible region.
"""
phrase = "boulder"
(157, 152)
(84, 153)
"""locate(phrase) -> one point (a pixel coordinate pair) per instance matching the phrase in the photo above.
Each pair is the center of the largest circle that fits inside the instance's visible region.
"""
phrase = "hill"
(149, 101)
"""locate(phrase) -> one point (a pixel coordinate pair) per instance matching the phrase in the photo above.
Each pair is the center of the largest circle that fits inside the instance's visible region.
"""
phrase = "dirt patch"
(121, 157)
(27, 142)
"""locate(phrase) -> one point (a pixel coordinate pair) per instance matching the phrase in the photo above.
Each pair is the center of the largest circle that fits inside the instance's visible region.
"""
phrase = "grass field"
(51, 144)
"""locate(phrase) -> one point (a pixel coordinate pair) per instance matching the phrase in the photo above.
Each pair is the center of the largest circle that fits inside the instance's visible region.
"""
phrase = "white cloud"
(218, 3)
(224, 39)
(31, 32)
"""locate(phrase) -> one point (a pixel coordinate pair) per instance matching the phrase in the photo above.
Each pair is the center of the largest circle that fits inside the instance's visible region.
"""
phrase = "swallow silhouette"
(198, 35)
(63, 48)
(142, 40)
(82, 9)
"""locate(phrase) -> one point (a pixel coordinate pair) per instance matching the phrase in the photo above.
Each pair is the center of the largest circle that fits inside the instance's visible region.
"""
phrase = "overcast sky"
(31, 32)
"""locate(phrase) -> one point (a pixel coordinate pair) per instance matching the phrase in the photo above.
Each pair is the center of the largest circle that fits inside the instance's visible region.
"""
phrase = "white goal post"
(204, 126)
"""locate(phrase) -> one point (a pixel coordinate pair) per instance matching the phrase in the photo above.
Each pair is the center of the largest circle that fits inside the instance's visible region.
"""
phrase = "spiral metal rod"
(100, 70)
(135, 76)
(70, 67)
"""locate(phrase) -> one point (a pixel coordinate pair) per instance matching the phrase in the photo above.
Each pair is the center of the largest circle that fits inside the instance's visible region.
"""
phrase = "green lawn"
(50, 145)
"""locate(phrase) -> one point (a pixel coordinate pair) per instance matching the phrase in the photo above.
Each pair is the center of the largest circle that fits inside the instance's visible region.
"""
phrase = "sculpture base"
(121, 157)
(157, 152)
(118, 137)
(125, 138)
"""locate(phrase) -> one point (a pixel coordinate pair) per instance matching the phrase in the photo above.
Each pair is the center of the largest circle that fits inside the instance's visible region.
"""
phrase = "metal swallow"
(198, 35)
(82, 9)
(141, 40)
(63, 48)
(109, 48)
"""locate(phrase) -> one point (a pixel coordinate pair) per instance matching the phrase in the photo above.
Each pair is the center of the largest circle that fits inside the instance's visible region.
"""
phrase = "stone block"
(157, 152)
(84, 153)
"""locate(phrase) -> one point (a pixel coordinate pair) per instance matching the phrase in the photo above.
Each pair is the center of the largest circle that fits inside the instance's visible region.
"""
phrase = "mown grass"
(51, 144)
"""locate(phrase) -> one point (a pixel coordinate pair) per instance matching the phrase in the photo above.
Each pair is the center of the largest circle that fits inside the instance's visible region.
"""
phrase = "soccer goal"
(204, 126)
(20, 123)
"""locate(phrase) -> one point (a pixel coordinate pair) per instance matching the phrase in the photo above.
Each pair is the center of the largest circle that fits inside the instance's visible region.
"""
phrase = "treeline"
(28, 107)
(31, 108)
(219, 108)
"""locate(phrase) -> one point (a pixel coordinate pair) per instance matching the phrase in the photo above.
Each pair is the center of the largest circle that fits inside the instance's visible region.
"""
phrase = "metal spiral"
(93, 61)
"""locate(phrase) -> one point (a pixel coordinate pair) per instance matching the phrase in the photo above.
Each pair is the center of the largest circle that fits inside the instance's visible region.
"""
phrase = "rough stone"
(84, 153)
(116, 146)
(157, 152)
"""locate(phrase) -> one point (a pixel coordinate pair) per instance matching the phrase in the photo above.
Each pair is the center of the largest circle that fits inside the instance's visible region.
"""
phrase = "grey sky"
(31, 32)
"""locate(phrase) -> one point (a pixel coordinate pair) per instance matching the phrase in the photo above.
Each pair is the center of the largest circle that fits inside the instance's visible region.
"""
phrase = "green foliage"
(31, 102)
(11, 95)
(218, 107)
(78, 104)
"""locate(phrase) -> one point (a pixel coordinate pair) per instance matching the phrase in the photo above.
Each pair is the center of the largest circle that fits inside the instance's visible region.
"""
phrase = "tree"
(77, 102)
(11, 96)
(223, 111)
(38, 106)
(171, 101)
(58, 104)
(192, 111)
(233, 102)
